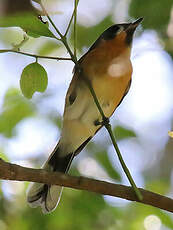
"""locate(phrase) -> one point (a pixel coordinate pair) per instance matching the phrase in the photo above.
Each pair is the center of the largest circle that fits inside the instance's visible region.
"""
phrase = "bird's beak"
(137, 22)
(130, 29)
(134, 25)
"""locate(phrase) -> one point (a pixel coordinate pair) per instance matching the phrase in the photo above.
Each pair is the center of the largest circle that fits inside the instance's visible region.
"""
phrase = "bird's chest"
(111, 80)
(110, 91)
(110, 75)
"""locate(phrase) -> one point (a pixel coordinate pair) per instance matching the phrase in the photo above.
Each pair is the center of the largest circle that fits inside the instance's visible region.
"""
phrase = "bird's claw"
(104, 122)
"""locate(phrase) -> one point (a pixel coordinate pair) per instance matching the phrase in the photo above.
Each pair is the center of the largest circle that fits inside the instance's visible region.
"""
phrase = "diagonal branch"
(15, 172)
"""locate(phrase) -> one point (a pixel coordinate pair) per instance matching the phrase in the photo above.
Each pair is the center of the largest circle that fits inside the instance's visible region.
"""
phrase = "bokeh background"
(29, 129)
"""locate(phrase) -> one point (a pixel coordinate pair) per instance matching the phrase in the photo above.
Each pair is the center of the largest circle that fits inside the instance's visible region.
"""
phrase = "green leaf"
(15, 109)
(103, 159)
(122, 133)
(156, 15)
(31, 34)
(28, 22)
(33, 78)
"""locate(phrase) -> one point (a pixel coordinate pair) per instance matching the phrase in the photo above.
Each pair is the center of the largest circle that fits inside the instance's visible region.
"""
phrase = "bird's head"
(123, 32)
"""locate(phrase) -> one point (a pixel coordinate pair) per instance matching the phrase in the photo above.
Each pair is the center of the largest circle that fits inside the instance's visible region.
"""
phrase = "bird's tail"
(48, 196)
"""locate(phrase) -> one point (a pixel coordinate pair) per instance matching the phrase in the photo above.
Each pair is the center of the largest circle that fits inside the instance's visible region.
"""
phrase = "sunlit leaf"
(33, 79)
(28, 22)
(122, 133)
(15, 109)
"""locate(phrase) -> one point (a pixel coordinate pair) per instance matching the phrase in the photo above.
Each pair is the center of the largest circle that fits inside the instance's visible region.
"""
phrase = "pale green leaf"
(33, 79)
(123, 133)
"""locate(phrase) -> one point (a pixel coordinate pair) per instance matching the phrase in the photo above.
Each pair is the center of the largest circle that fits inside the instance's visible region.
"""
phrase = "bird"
(108, 69)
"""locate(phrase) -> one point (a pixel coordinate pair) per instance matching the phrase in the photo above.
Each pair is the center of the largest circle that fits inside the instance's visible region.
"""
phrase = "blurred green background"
(29, 129)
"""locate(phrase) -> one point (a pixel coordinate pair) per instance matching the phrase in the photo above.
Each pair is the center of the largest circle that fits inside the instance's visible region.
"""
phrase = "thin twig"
(34, 55)
(63, 38)
(71, 19)
(75, 30)
(69, 24)
(18, 173)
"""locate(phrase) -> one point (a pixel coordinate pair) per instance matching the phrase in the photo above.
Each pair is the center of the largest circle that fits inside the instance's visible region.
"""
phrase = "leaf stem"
(34, 55)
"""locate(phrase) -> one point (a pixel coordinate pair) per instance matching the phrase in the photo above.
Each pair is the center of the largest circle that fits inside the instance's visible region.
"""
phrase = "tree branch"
(10, 171)
(34, 55)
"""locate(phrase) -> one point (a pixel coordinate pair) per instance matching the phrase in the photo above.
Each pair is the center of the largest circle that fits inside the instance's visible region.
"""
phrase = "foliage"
(33, 78)
(15, 109)
(28, 22)
(122, 133)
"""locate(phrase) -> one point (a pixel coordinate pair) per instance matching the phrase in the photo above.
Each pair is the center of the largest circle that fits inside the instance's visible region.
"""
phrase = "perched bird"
(108, 68)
